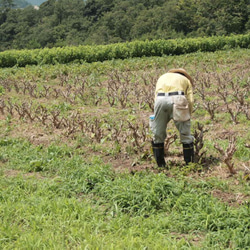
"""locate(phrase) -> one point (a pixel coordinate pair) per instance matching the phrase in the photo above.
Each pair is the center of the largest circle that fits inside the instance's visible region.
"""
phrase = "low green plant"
(75, 202)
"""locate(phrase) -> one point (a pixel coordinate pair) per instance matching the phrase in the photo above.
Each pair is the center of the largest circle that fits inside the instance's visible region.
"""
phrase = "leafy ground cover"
(77, 172)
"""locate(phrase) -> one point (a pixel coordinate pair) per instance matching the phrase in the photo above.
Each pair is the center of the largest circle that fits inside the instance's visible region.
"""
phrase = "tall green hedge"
(90, 54)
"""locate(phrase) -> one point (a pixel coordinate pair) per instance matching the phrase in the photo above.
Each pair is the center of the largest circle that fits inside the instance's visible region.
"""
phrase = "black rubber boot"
(188, 152)
(158, 150)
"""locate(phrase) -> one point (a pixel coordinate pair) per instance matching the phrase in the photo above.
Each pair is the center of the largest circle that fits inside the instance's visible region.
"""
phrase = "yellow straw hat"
(183, 72)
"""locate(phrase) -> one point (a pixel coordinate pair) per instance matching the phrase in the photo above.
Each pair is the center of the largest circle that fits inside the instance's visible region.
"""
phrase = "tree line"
(87, 22)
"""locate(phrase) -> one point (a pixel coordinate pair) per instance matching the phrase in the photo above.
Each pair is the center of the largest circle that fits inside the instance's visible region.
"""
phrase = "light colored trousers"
(163, 112)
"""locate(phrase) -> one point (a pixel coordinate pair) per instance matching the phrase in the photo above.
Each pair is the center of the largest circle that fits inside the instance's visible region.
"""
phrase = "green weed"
(75, 203)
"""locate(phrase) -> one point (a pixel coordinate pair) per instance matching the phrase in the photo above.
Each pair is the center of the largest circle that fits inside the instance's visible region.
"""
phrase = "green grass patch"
(70, 202)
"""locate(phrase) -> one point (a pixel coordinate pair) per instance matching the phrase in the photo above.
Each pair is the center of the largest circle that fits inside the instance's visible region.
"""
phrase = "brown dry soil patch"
(233, 199)
(15, 173)
(194, 238)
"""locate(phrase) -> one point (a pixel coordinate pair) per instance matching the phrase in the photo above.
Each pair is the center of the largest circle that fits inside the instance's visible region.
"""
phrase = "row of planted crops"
(147, 48)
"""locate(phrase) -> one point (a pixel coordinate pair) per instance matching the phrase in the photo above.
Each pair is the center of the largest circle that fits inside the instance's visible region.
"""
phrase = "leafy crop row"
(121, 50)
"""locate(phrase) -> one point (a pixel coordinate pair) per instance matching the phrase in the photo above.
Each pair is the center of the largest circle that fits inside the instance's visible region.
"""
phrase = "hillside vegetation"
(101, 53)
(78, 22)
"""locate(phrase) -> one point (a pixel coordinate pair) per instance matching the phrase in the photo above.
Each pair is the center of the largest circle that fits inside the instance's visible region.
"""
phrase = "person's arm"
(190, 97)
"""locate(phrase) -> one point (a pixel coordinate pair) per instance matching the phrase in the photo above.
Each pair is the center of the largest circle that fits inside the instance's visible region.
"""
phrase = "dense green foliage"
(78, 22)
(64, 55)
(8, 4)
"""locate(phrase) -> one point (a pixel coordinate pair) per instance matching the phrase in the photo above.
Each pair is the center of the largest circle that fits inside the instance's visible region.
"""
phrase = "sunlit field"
(77, 170)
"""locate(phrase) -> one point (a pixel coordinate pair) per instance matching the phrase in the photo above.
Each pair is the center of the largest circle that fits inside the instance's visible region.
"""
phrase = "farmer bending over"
(173, 100)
